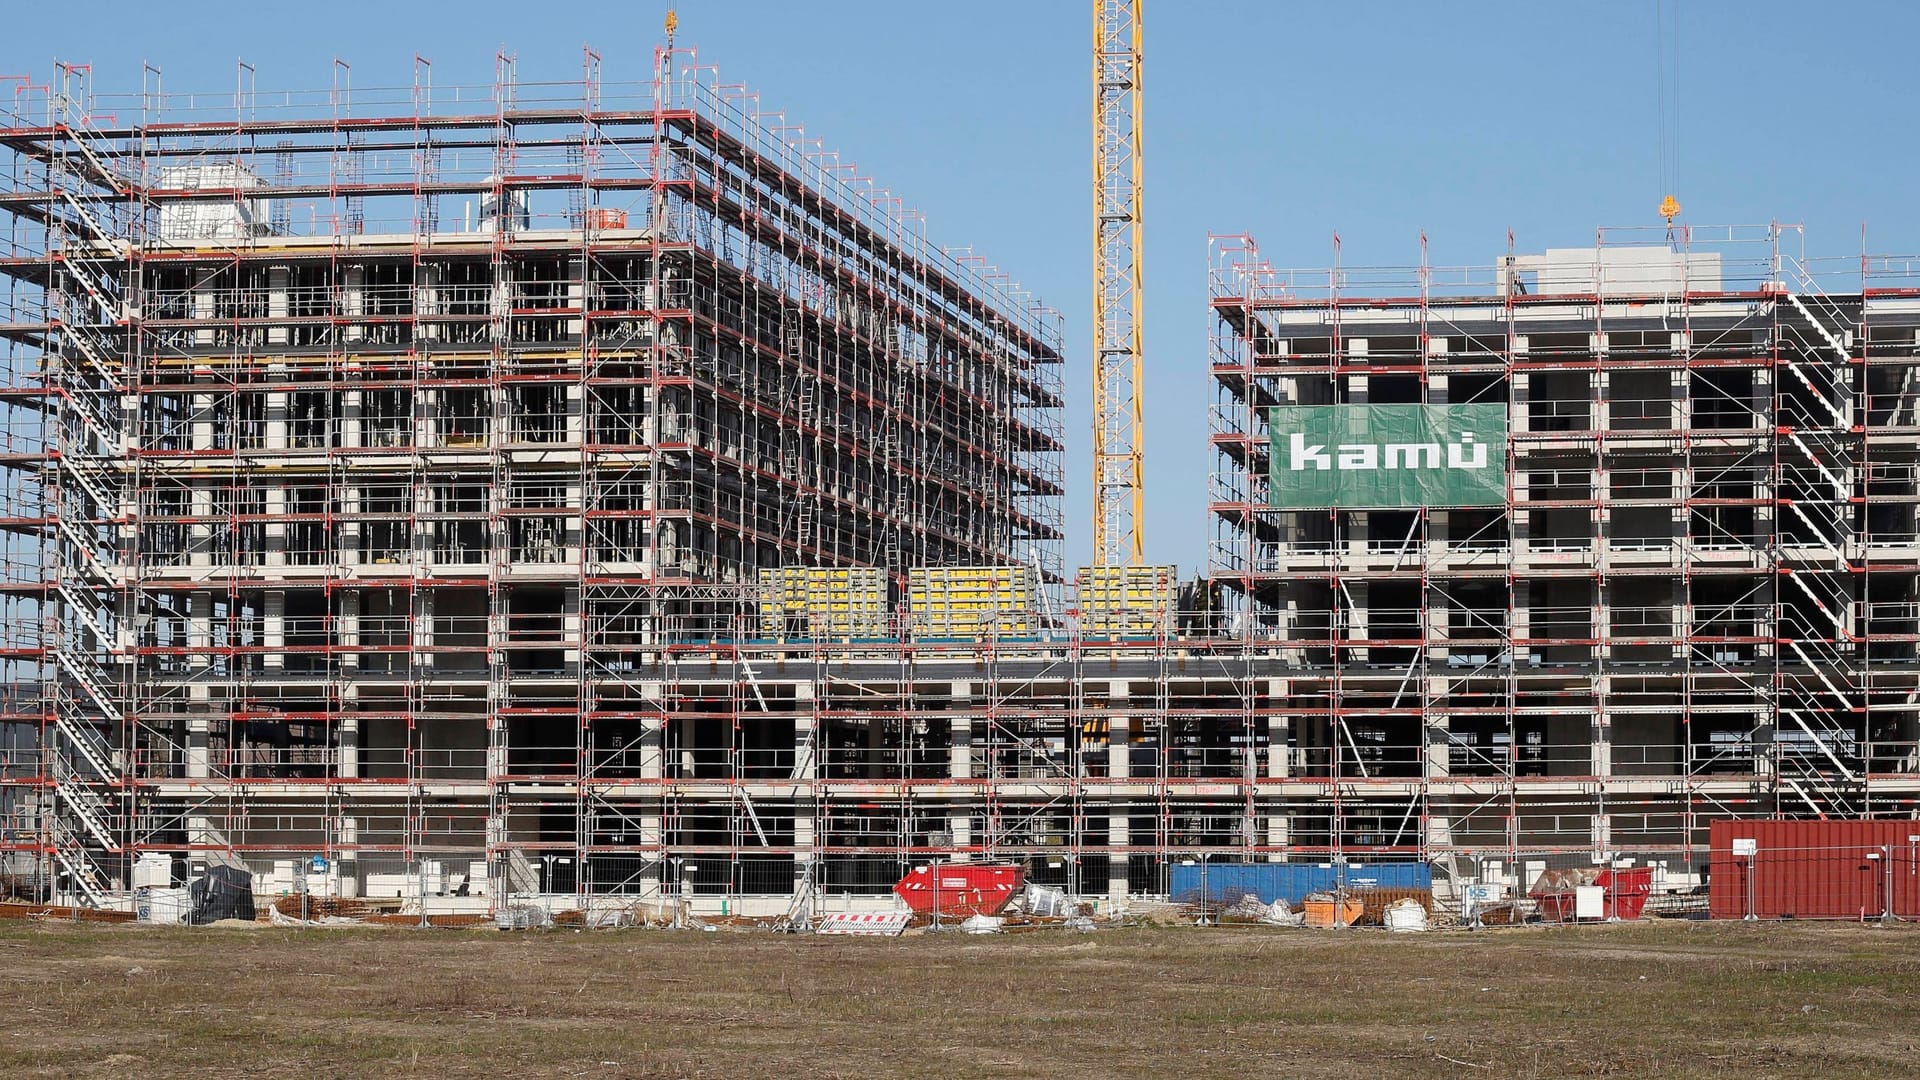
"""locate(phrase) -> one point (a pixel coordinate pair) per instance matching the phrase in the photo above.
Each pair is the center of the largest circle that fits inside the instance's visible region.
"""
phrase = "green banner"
(1376, 456)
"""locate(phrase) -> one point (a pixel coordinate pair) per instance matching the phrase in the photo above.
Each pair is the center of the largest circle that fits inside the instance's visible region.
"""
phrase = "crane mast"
(1118, 427)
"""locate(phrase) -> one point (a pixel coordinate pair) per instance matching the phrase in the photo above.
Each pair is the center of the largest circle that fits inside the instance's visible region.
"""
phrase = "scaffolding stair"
(78, 730)
(93, 811)
(91, 886)
(80, 546)
(1819, 698)
(75, 127)
(89, 681)
(89, 478)
(91, 613)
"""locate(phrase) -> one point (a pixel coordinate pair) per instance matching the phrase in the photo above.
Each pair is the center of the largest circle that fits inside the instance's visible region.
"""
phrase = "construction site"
(601, 492)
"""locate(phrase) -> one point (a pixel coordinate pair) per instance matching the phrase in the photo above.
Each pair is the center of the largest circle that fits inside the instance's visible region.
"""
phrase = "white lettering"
(1410, 455)
(1359, 456)
(1456, 456)
(1465, 452)
(1303, 455)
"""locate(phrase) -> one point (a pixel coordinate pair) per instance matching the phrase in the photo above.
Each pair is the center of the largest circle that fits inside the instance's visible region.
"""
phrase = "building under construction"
(600, 490)
(1682, 585)
(370, 445)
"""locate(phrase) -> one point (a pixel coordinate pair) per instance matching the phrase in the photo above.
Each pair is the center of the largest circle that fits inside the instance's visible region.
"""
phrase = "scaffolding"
(1698, 599)
(361, 437)
(409, 488)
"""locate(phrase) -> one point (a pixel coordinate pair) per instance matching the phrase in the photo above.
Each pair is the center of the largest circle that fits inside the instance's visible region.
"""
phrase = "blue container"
(1291, 882)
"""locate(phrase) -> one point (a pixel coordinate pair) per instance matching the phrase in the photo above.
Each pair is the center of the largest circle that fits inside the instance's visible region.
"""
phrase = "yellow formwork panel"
(822, 601)
(972, 602)
(1125, 600)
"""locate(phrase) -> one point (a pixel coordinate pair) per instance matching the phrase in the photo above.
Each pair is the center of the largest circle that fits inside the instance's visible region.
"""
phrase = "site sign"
(1379, 456)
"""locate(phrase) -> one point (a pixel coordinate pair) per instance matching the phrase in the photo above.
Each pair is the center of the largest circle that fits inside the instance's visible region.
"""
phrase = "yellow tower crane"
(1118, 427)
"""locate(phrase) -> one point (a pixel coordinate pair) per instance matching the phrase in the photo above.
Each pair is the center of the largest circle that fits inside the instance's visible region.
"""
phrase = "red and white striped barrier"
(865, 924)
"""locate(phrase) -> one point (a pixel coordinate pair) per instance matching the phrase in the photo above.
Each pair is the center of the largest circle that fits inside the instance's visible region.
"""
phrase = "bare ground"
(1659, 1000)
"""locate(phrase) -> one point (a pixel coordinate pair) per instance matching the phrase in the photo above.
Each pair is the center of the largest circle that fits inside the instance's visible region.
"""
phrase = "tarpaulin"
(1377, 456)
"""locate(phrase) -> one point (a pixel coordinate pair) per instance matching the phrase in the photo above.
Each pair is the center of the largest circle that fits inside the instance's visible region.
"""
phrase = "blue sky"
(1284, 120)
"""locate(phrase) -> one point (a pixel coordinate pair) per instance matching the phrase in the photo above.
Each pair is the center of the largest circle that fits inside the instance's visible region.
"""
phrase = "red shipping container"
(960, 889)
(1814, 869)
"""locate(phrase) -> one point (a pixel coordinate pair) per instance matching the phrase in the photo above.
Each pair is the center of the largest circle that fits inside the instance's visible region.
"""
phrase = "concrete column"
(685, 734)
(576, 294)
(806, 770)
(199, 761)
(653, 731)
(347, 837)
(200, 534)
(1356, 616)
(805, 839)
(960, 767)
(276, 526)
(1433, 619)
(1522, 628)
(1602, 743)
(279, 280)
(273, 630)
(1279, 754)
(1602, 616)
(422, 612)
(349, 749)
(200, 630)
(202, 408)
(277, 420)
(203, 295)
(1439, 744)
(1677, 618)
(960, 753)
(1279, 835)
(653, 767)
(1519, 521)
(427, 300)
(1761, 401)
(425, 433)
(1599, 385)
(353, 428)
(346, 629)
(353, 301)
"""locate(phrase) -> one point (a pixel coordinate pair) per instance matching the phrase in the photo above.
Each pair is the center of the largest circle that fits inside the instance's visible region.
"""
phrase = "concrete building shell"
(1701, 596)
(345, 521)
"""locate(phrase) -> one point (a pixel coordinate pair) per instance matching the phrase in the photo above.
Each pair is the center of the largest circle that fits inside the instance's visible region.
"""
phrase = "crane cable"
(1667, 53)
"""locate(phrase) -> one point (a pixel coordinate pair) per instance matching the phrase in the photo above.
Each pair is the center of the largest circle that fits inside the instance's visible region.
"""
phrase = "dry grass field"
(1660, 1000)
